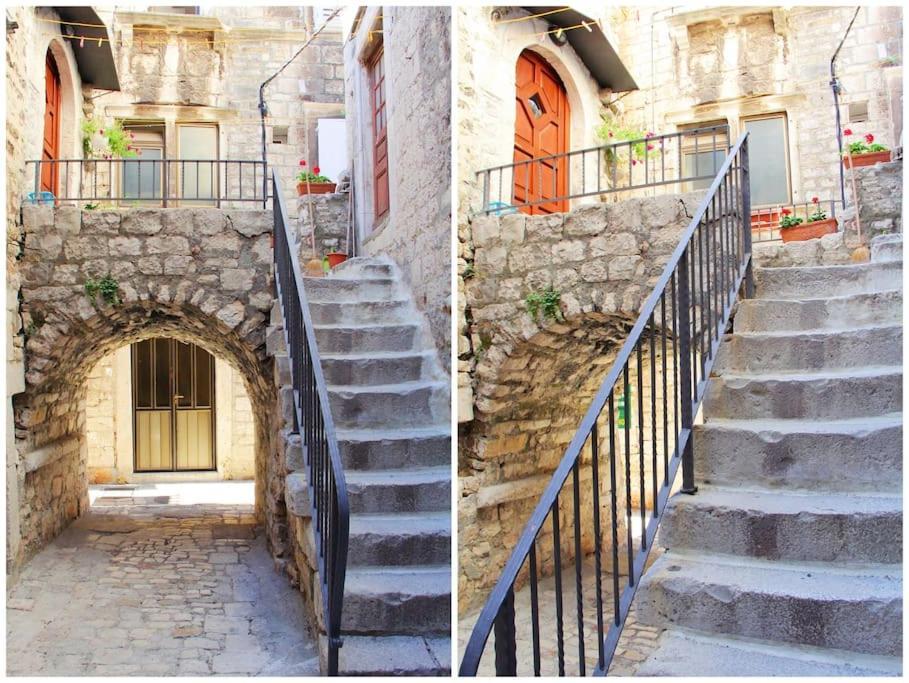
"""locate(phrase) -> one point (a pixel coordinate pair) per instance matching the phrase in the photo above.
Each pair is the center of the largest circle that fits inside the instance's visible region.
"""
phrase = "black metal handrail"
(604, 169)
(765, 220)
(313, 420)
(168, 182)
(700, 284)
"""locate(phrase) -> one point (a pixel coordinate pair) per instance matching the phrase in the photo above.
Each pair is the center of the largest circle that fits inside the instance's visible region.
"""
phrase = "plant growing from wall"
(108, 289)
(545, 302)
(110, 142)
(610, 133)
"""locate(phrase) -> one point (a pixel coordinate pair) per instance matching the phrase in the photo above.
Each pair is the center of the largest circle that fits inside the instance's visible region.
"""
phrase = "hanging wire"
(530, 16)
(584, 24)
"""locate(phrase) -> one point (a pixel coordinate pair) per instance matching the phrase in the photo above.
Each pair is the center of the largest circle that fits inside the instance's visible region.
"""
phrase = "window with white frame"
(768, 159)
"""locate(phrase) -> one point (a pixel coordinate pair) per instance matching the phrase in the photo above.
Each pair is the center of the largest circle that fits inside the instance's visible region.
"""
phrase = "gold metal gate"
(173, 406)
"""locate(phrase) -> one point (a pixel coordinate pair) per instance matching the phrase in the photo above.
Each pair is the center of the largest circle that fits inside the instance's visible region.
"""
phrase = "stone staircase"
(787, 561)
(390, 401)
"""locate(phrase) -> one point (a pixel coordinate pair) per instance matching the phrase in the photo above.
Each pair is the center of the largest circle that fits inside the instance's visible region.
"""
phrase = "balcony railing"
(546, 184)
(765, 221)
(150, 182)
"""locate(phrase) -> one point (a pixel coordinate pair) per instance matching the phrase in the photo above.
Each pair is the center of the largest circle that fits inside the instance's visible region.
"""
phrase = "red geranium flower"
(302, 162)
(634, 162)
(786, 212)
(815, 200)
(869, 138)
(649, 147)
(610, 133)
(848, 131)
(315, 170)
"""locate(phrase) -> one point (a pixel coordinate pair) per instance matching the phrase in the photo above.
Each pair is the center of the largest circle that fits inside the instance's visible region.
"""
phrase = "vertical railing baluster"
(653, 414)
(534, 609)
(597, 539)
(665, 398)
(640, 420)
(614, 508)
(557, 559)
(579, 595)
(746, 212)
(685, 374)
(506, 638)
(627, 398)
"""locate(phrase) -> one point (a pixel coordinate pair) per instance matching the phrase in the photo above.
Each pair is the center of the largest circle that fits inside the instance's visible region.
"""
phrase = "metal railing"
(678, 331)
(765, 221)
(548, 182)
(150, 182)
(313, 421)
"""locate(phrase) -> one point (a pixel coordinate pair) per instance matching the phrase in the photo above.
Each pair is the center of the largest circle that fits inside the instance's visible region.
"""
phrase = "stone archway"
(197, 275)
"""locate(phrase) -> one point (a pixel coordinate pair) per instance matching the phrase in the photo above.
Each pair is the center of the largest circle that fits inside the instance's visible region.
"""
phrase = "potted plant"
(335, 257)
(865, 152)
(112, 142)
(310, 182)
(816, 225)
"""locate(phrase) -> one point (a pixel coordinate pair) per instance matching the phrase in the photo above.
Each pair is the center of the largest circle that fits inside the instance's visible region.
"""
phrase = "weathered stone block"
(142, 222)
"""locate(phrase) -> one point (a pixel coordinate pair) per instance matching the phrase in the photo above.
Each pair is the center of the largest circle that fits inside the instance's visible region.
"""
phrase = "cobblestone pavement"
(637, 640)
(134, 588)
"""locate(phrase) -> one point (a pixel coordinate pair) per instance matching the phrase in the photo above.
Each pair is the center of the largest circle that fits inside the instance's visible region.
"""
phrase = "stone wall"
(417, 231)
(534, 378)
(704, 65)
(330, 215)
(880, 199)
(199, 275)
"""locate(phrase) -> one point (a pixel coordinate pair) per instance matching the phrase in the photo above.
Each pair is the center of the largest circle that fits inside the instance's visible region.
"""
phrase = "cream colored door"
(173, 400)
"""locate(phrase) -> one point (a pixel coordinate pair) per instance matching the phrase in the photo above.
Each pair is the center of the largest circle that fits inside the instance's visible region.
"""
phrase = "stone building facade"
(760, 69)
(414, 48)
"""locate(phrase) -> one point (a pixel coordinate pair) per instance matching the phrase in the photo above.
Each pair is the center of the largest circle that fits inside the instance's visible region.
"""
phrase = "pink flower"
(869, 138)
(610, 134)
(648, 135)
(649, 147)
(848, 131)
(302, 162)
(634, 162)
(815, 200)
(315, 170)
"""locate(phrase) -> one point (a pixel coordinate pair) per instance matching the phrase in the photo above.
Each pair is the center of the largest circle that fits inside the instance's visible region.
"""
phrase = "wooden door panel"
(380, 135)
(51, 137)
(541, 129)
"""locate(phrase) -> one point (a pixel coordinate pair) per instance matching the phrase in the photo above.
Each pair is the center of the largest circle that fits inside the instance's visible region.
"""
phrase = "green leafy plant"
(106, 287)
(468, 272)
(545, 302)
(819, 214)
(789, 220)
(118, 142)
(867, 145)
(309, 176)
(610, 133)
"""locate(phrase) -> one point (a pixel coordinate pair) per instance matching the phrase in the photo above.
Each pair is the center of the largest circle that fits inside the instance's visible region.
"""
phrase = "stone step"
(886, 248)
(854, 392)
(400, 540)
(793, 282)
(392, 656)
(375, 368)
(372, 449)
(345, 290)
(777, 315)
(855, 607)
(337, 339)
(407, 404)
(821, 526)
(400, 600)
(764, 352)
(425, 489)
(682, 652)
(860, 454)
(363, 266)
(370, 311)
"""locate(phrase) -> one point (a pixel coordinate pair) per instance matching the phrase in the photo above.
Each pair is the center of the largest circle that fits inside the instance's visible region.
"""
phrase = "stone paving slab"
(158, 590)
(636, 643)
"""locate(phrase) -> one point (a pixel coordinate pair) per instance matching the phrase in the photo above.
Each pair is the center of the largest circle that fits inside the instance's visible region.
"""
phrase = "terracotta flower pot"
(335, 257)
(809, 231)
(868, 159)
(315, 188)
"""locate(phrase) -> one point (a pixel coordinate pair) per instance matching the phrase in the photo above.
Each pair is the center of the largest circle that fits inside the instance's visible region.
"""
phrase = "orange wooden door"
(51, 144)
(380, 134)
(541, 130)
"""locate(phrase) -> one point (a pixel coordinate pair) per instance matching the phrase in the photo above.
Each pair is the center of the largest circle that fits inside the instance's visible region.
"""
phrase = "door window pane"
(203, 378)
(142, 359)
(162, 373)
(184, 374)
(702, 164)
(142, 176)
(198, 176)
(767, 159)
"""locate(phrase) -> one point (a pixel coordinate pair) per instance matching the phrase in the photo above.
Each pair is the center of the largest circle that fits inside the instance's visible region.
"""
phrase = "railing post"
(166, 189)
(506, 645)
(684, 336)
(746, 218)
(37, 179)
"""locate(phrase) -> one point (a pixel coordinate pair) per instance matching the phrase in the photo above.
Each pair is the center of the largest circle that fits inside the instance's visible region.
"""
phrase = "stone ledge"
(50, 453)
(519, 489)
